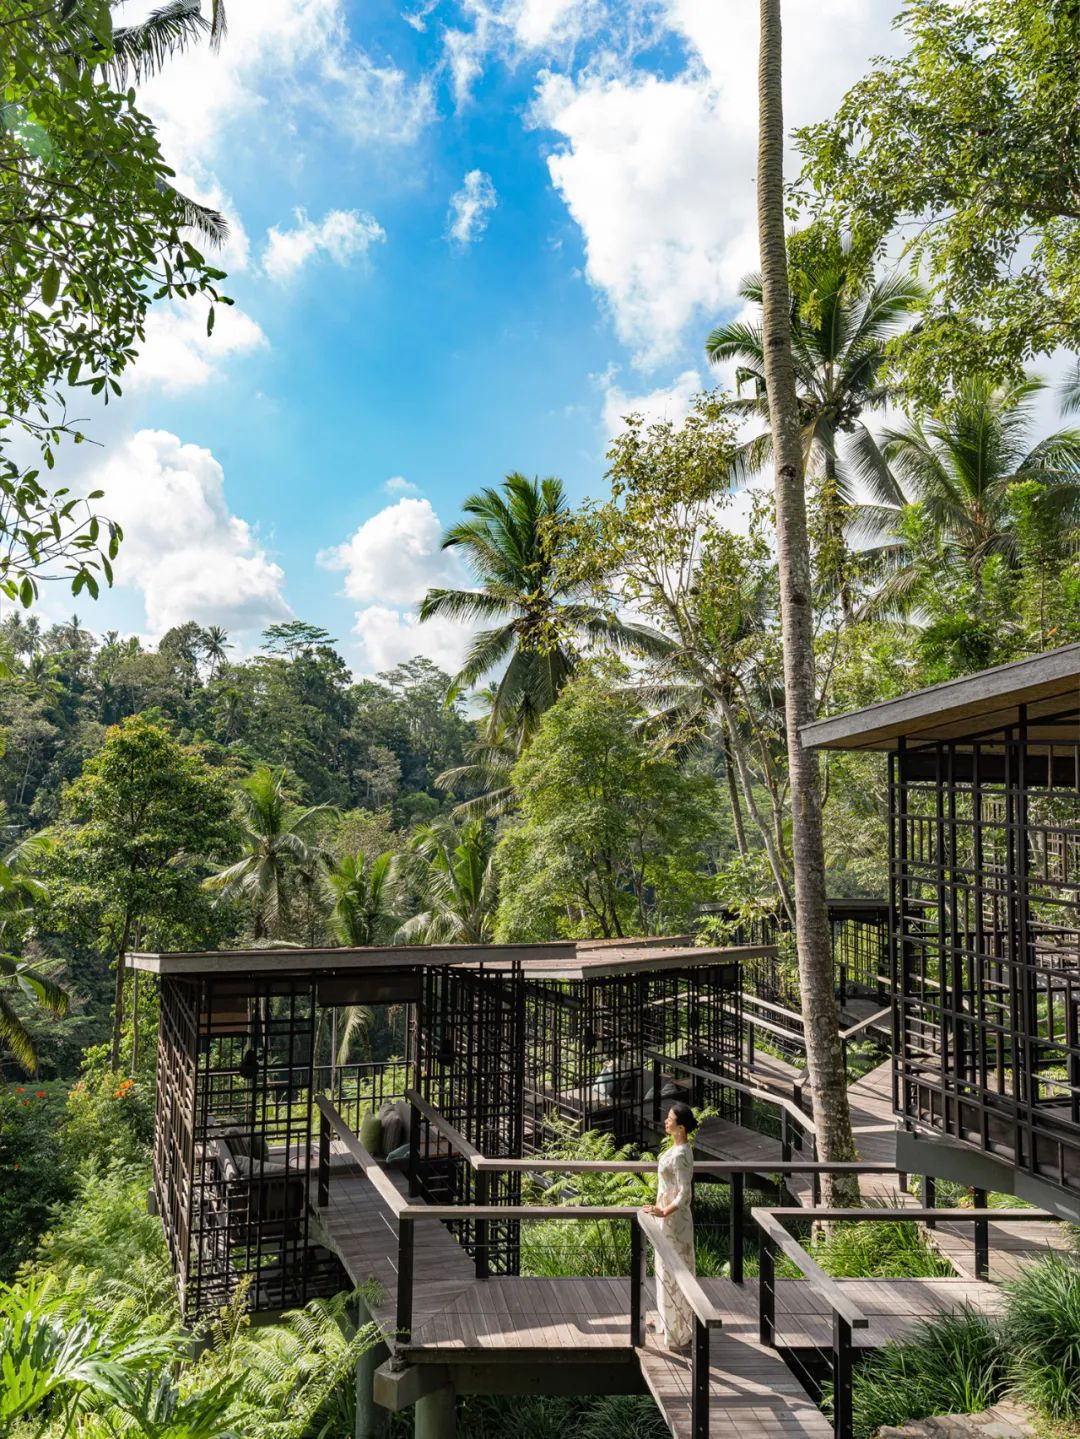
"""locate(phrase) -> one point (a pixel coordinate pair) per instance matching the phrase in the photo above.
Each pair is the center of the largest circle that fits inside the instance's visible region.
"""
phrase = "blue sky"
(467, 236)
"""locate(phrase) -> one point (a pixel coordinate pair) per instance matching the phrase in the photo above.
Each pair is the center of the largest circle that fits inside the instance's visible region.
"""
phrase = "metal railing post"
(843, 983)
(406, 1251)
(637, 1285)
(735, 1228)
(483, 1258)
(982, 1238)
(785, 1137)
(656, 1087)
(324, 1162)
(699, 1379)
(750, 1042)
(929, 1197)
(414, 1151)
(767, 1292)
(842, 1369)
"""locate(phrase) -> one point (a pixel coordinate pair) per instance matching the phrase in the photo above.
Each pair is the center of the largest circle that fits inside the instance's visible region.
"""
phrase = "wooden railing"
(845, 1314)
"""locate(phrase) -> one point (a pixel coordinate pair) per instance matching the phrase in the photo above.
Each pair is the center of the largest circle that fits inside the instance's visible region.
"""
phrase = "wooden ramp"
(872, 1121)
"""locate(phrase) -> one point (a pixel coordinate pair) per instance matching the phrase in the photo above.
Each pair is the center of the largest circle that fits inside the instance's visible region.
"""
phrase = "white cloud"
(464, 50)
(671, 402)
(183, 549)
(280, 57)
(340, 234)
(394, 556)
(390, 562)
(388, 637)
(470, 207)
(399, 485)
(179, 355)
(658, 173)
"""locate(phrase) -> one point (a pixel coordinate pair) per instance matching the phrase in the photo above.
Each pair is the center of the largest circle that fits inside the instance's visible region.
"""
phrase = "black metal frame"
(586, 1043)
(985, 952)
(860, 944)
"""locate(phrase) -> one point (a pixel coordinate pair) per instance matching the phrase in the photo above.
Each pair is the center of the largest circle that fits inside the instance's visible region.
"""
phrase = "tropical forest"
(568, 707)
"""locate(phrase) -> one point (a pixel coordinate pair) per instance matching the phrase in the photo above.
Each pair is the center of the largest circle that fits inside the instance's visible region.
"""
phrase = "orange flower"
(19, 1089)
(42, 1093)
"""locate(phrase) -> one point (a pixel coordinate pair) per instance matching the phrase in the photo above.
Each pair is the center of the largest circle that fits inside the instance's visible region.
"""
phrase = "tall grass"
(1042, 1334)
(880, 1249)
(952, 1365)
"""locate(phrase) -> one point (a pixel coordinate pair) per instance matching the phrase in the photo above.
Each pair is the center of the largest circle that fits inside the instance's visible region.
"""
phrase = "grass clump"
(618, 1416)
(880, 1249)
(953, 1365)
(1042, 1333)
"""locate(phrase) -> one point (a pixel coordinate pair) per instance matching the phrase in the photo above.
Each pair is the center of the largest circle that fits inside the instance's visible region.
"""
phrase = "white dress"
(675, 1176)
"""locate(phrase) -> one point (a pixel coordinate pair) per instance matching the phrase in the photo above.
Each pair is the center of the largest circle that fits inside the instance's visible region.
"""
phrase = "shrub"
(1042, 1334)
(110, 1121)
(621, 1416)
(33, 1177)
(952, 1365)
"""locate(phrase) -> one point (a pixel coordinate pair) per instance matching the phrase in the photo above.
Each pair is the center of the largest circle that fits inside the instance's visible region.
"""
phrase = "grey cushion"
(392, 1135)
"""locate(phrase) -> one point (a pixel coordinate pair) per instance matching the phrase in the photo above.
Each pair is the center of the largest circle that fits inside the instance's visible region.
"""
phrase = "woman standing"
(675, 1178)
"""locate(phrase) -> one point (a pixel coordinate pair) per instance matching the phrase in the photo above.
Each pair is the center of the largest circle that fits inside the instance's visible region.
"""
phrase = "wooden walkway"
(458, 1319)
(871, 1118)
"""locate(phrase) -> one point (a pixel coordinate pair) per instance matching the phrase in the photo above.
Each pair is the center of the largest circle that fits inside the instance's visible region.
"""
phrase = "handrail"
(847, 1316)
(443, 1127)
(815, 1276)
(865, 1023)
(367, 1162)
(684, 1277)
(765, 1095)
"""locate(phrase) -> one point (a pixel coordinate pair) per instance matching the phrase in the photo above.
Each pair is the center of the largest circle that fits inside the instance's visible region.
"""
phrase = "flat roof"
(591, 959)
(980, 704)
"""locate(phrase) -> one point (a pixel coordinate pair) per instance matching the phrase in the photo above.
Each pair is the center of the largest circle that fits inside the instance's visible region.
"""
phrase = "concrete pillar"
(370, 1417)
(436, 1415)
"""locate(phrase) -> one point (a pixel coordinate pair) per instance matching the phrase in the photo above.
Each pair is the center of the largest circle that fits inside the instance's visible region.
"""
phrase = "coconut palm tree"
(958, 467)
(215, 643)
(828, 1080)
(362, 896)
(510, 543)
(838, 337)
(278, 839)
(453, 871)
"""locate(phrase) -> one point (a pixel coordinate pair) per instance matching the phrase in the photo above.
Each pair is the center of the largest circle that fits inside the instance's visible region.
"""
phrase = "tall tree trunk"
(828, 1084)
(118, 1010)
(733, 789)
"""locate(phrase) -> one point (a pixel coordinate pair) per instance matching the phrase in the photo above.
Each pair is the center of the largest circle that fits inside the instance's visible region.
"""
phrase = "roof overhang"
(1044, 691)
(555, 961)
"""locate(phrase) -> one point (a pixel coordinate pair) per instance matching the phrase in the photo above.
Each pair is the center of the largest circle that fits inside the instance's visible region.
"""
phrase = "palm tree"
(31, 980)
(278, 837)
(362, 896)
(453, 871)
(215, 643)
(958, 467)
(828, 1081)
(510, 542)
(838, 339)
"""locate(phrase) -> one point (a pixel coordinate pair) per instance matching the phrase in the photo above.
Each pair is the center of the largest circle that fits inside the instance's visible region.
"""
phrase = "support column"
(436, 1415)
(370, 1417)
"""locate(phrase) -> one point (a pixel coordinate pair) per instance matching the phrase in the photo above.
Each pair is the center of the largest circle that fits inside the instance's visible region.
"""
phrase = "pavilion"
(984, 947)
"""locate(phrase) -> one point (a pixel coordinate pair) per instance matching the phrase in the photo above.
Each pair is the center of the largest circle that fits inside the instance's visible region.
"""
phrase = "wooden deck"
(459, 1319)
(871, 1118)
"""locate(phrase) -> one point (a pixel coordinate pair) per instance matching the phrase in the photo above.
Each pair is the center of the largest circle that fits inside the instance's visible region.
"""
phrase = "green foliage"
(966, 141)
(33, 1176)
(109, 1119)
(510, 542)
(276, 840)
(953, 1365)
(1042, 1334)
(879, 1249)
(613, 835)
(89, 224)
(452, 871)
